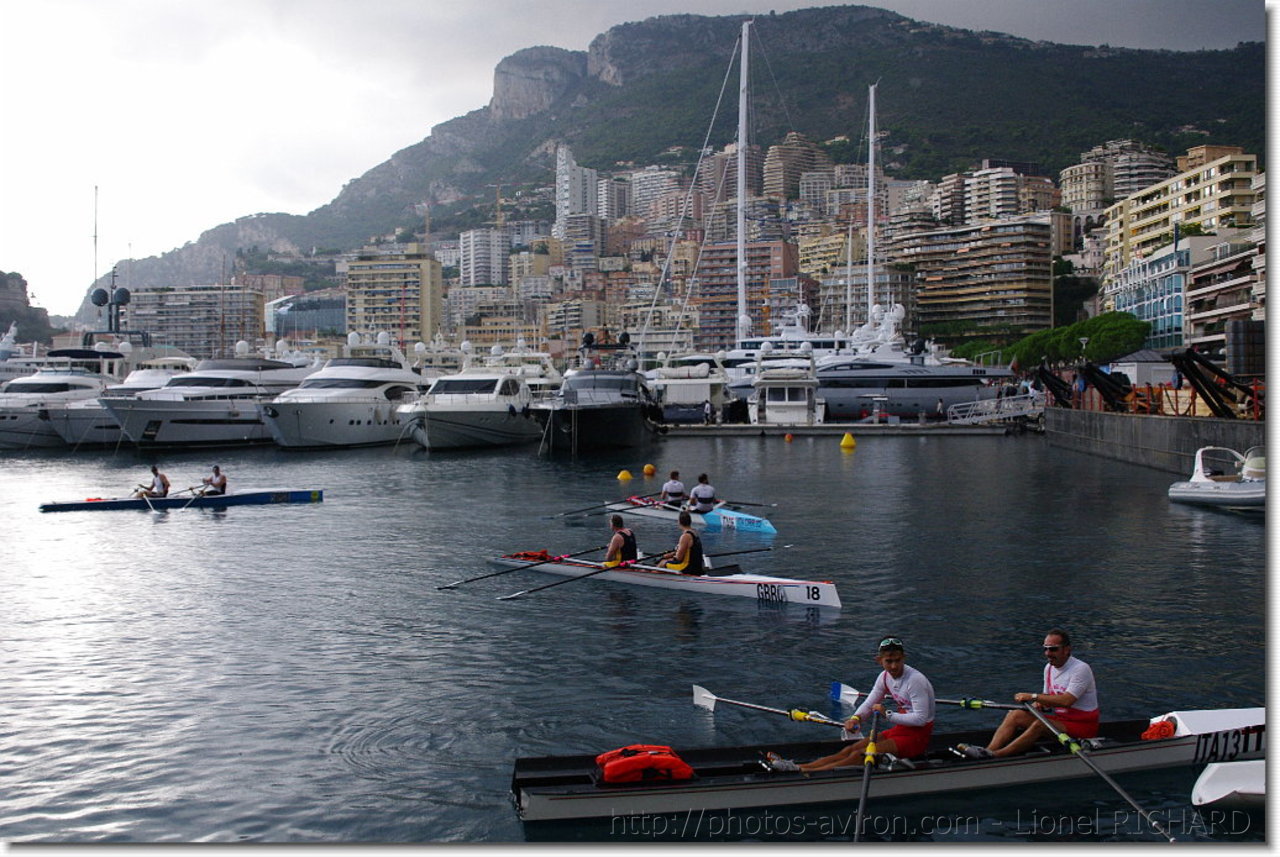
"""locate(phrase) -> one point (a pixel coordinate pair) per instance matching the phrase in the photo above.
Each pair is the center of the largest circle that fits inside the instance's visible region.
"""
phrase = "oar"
(194, 495)
(624, 564)
(868, 762)
(704, 698)
(520, 567)
(1078, 751)
(735, 553)
(844, 693)
(745, 503)
(598, 505)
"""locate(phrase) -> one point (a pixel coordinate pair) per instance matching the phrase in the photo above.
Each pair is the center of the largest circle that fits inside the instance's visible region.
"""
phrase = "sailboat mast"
(871, 203)
(744, 320)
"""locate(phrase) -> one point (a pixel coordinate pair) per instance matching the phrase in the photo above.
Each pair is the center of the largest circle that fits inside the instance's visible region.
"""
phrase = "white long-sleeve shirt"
(913, 694)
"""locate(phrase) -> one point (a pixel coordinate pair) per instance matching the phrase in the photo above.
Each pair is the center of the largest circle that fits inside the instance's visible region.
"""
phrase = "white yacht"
(216, 404)
(86, 422)
(352, 401)
(488, 404)
(785, 394)
(13, 363)
(69, 374)
(683, 386)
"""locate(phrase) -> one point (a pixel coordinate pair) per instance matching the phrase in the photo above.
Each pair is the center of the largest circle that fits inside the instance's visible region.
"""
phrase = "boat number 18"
(778, 593)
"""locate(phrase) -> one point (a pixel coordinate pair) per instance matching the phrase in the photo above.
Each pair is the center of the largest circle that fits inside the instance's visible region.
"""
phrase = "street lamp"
(1084, 340)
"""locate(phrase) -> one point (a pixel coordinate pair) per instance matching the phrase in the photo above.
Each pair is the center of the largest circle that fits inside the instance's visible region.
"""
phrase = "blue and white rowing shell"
(718, 519)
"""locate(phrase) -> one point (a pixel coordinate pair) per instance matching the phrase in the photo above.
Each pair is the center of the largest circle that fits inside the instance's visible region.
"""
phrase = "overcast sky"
(187, 114)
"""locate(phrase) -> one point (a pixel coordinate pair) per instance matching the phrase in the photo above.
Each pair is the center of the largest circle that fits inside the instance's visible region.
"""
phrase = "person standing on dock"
(622, 547)
(673, 490)
(702, 495)
(687, 557)
(706, 412)
(910, 727)
(1070, 699)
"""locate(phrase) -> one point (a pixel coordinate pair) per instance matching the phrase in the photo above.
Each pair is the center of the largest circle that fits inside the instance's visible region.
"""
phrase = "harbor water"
(295, 673)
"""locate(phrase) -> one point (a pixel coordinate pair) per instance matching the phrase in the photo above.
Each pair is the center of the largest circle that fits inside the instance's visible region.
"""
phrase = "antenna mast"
(744, 320)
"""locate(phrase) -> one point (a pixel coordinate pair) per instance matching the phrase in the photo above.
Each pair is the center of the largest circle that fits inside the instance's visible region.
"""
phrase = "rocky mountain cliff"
(947, 98)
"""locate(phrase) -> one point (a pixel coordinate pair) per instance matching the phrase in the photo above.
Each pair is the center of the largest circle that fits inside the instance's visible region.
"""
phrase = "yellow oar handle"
(870, 757)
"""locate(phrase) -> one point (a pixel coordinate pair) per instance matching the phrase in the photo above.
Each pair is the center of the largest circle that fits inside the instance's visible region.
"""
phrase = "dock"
(858, 430)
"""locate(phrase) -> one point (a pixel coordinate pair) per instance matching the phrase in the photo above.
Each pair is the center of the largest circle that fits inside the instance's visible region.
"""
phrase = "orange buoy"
(649, 470)
(788, 438)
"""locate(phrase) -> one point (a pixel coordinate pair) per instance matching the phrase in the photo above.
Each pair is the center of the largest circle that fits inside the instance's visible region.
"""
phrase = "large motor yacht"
(216, 404)
(487, 404)
(86, 422)
(352, 401)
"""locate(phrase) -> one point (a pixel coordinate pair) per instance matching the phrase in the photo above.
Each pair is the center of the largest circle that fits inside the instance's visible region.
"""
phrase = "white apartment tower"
(576, 190)
(482, 257)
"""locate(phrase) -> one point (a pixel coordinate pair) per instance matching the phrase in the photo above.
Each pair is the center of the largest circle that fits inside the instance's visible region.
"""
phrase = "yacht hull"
(463, 429)
(166, 422)
(583, 428)
(316, 425)
(27, 428)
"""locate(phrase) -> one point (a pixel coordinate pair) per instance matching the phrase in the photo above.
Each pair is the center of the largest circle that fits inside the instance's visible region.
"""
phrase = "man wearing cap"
(215, 484)
(1069, 700)
(909, 728)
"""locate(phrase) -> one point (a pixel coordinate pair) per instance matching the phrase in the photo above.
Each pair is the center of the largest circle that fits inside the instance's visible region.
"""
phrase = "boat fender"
(1161, 729)
(642, 763)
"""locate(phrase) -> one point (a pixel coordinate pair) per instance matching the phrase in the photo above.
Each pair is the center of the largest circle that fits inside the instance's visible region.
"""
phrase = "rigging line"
(774, 78)
(686, 204)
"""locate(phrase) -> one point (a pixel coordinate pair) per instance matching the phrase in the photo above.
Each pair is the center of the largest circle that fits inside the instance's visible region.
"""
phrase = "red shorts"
(1077, 724)
(910, 740)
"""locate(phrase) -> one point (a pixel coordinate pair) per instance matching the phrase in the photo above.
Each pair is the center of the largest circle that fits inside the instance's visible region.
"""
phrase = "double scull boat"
(763, 588)
(729, 778)
(722, 517)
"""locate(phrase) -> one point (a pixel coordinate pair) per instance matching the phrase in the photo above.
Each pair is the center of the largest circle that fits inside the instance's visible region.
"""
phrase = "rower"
(215, 484)
(703, 495)
(910, 727)
(1069, 700)
(159, 485)
(673, 491)
(622, 547)
(687, 557)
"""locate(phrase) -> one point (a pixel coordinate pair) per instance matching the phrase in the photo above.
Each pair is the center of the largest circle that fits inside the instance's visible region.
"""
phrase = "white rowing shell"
(761, 587)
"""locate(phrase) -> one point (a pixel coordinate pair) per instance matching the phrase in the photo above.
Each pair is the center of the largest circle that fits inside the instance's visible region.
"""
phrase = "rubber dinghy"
(761, 587)
(723, 517)
(197, 501)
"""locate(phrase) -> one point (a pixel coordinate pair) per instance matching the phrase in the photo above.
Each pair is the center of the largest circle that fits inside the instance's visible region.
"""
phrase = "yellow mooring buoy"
(847, 442)
(624, 476)
(649, 470)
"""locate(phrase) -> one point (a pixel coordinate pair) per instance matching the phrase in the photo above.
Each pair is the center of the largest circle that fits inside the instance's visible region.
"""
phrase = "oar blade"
(704, 698)
(844, 694)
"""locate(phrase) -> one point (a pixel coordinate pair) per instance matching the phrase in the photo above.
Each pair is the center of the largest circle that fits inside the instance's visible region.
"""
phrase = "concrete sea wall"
(1165, 443)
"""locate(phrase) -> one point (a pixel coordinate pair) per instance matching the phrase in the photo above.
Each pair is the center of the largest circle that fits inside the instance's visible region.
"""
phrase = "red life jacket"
(642, 763)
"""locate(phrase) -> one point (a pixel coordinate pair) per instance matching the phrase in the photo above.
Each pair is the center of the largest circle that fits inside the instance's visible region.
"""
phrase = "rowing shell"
(198, 501)
(721, 517)
(761, 587)
(728, 778)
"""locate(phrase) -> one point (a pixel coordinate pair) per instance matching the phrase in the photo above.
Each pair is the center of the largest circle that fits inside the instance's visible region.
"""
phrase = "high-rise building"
(716, 293)
(1213, 190)
(482, 257)
(202, 320)
(786, 162)
(996, 273)
(401, 293)
(576, 190)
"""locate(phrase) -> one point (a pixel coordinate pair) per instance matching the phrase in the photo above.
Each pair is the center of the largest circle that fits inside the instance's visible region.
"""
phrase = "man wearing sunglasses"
(1069, 700)
(905, 732)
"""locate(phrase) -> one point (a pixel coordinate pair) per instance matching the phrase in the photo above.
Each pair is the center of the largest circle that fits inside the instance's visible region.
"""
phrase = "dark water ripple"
(293, 674)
